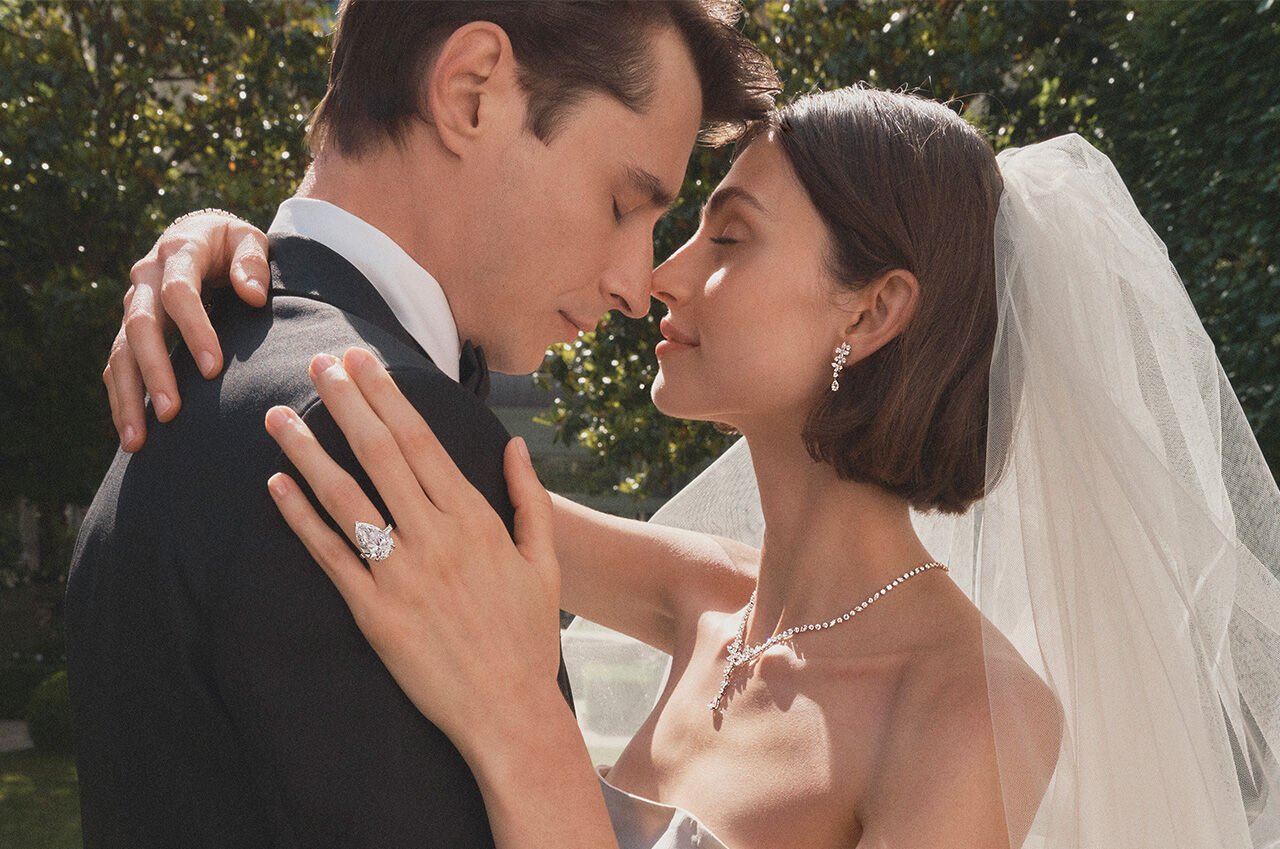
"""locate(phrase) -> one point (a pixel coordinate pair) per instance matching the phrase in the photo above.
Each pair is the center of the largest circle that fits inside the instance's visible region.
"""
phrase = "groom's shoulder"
(267, 352)
(303, 327)
(270, 348)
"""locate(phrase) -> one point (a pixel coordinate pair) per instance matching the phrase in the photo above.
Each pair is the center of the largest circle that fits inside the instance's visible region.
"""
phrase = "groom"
(485, 172)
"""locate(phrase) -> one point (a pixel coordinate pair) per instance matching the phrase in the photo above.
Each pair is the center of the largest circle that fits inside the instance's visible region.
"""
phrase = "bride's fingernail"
(323, 362)
(277, 486)
(357, 358)
(522, 449)
(162, 403)
(277, 417)
(207, 363)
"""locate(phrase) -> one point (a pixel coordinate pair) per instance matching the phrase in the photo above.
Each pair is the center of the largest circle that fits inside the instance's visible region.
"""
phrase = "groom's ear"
(473, 87)
(880, 311)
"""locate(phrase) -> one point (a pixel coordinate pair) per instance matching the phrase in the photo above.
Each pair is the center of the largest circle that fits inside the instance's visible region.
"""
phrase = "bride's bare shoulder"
(939, 780)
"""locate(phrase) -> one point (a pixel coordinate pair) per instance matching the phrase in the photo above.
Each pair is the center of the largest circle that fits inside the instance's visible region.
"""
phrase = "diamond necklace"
(739, 656)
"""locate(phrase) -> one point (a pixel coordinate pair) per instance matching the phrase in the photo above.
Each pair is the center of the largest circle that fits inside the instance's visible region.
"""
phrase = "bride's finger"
(533, 524)
(374, 446)
(249, 269)
(434, 469)
(354, 582)
(180, 295)
(338, 492)
(126, 394)
(144, 327)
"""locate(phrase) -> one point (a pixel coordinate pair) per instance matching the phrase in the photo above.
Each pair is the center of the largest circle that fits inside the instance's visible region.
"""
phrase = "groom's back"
(223, 695)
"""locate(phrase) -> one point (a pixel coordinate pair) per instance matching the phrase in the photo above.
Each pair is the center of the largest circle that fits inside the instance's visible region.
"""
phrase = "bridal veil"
(1128, 545)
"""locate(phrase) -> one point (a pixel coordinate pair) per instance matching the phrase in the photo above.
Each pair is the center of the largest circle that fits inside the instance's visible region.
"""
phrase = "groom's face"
(566, 232)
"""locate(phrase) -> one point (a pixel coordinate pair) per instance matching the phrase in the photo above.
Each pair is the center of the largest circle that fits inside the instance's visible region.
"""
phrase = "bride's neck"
(828, 543)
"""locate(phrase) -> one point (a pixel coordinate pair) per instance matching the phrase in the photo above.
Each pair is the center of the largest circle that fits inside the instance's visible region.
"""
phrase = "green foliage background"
(116, 117)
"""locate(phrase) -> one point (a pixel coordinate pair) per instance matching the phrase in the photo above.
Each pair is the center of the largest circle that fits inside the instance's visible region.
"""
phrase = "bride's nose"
(673, 280)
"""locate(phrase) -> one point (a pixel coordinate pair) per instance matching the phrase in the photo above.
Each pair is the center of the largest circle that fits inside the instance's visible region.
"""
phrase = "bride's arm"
(542, 791)
(645, 580)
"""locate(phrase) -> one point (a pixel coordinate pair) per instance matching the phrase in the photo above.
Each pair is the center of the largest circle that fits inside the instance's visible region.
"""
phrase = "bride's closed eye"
(728, 232)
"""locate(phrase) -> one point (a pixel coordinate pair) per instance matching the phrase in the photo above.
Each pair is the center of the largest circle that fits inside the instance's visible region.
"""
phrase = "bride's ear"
(472, 89)
(879, 311)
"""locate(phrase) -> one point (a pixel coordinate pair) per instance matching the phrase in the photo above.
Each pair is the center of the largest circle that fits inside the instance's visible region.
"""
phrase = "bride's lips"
(673, 339)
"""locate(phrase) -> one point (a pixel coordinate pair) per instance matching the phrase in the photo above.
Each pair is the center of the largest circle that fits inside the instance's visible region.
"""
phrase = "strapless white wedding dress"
(641, 823)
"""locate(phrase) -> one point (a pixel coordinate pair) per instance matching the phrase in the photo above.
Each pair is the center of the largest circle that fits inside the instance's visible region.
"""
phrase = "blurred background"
(115, 117)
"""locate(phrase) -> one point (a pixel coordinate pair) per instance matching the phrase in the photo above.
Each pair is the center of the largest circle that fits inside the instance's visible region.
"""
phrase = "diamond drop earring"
(842, 354)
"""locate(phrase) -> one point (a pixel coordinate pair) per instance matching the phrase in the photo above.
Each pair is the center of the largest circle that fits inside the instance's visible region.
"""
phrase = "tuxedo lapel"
(307, 269)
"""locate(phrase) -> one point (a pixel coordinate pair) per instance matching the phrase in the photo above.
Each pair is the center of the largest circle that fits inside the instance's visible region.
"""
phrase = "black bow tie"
(473, 371)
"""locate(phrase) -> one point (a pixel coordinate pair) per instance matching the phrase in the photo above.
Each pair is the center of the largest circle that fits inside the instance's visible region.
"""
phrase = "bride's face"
(753, 319)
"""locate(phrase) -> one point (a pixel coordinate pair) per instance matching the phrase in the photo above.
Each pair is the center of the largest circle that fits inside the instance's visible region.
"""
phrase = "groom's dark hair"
(565, 51)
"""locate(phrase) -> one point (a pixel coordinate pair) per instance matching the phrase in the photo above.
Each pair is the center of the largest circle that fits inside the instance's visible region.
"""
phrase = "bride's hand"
(164, 292)
(464, 618)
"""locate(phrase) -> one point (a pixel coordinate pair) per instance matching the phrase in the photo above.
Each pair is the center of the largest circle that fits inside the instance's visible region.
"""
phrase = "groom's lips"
(581, 326)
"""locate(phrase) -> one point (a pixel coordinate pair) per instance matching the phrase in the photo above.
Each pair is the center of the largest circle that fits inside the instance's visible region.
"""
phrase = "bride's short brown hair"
(902, 182)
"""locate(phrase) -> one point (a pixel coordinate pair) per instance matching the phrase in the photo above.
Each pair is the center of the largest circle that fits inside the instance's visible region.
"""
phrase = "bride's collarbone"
(811, 717)
(797, 739)
(928, 638)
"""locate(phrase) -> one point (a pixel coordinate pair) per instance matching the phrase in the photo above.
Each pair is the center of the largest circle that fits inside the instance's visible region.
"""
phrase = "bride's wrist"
(520, 737)
(526, 809)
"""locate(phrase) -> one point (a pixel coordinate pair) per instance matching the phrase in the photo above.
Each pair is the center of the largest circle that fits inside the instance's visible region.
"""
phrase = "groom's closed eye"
(650, 187)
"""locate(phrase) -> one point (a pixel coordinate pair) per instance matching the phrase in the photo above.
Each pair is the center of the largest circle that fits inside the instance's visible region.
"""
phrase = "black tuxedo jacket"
(222, 694)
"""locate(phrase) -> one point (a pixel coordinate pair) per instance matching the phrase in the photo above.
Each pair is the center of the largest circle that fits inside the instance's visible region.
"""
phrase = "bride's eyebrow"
(722, 197)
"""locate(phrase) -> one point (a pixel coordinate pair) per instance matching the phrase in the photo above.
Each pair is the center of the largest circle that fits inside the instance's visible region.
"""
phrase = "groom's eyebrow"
(648, 183)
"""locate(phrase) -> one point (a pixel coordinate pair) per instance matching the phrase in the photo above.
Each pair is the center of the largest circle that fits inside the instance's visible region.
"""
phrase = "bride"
(935, 356)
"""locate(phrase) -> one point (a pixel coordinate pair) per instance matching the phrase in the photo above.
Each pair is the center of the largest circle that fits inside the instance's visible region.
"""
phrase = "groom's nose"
(627, 283)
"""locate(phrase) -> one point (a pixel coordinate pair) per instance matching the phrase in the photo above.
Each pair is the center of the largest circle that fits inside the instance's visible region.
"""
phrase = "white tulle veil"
(1129, 544)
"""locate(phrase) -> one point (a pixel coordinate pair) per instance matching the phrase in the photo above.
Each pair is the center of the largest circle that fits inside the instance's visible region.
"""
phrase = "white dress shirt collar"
(412, 293)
